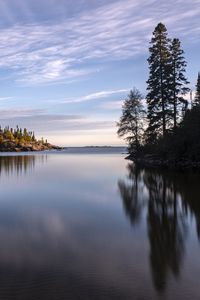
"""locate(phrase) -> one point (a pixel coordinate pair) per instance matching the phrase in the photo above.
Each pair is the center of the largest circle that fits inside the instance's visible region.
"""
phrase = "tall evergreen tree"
(158, 83)
(130, 125)
(197, 95)
(178, 80)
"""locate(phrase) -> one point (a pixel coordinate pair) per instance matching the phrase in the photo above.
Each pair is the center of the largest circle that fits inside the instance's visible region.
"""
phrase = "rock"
(11, 146)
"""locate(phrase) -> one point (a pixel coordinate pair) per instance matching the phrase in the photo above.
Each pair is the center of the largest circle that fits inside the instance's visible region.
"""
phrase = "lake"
(87, 224)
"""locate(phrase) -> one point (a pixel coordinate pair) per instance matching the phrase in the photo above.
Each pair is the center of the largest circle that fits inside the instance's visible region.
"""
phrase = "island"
(20, 140)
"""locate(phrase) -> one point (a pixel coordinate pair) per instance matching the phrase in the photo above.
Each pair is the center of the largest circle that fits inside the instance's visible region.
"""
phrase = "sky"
(67, 65)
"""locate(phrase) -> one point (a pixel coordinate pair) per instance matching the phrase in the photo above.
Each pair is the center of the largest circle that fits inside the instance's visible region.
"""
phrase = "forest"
(18, 139)
(17, 134)
(164, 128)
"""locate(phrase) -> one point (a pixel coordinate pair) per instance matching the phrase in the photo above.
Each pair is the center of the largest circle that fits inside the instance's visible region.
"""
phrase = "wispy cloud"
(95, 96)
(38, 53)
(5, 98)
(43, 122)
(112, 105)
(19, 112)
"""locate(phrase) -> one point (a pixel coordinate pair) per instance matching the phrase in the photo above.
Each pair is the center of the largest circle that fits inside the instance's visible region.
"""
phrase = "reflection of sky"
(66, 219)
(63, 228)
(66, 68)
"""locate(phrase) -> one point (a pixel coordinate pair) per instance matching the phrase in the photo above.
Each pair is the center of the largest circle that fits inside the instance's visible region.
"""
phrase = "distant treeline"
(166, 127)
(17, 135)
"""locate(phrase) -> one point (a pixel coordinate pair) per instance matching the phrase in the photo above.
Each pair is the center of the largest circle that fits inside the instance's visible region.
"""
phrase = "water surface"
(86, 224)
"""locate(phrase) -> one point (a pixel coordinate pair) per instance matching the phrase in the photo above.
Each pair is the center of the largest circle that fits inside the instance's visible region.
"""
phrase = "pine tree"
(33, 137)
(197, 95)
(158, 83)
(178, 81)
(130, 124)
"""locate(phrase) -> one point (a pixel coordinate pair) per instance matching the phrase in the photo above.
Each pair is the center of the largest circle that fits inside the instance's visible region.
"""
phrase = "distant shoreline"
(11, 147)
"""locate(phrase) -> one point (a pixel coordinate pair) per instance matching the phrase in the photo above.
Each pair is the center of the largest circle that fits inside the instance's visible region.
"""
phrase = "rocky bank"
(12, 146)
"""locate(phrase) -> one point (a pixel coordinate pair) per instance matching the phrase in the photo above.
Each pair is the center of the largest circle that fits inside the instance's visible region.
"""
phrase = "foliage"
(173, 131)
(197, 95)
(16, 135)
(167, 84)
(130, 125)
(179, 82)
(182, 144)
(158, 83)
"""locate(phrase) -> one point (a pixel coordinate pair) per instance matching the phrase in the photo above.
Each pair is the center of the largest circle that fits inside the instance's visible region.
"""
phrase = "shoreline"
(170, 165)
(12, 147)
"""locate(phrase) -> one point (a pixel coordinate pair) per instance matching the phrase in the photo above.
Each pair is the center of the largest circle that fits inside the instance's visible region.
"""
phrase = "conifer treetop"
(197, 94)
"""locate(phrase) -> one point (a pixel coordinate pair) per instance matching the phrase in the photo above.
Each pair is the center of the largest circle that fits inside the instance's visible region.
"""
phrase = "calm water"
(87, 224)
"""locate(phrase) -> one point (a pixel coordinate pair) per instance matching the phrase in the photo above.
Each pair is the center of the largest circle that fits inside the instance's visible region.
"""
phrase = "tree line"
(17, 135)
(163, 125)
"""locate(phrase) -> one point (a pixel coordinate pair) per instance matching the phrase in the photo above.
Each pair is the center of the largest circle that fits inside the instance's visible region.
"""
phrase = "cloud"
(19, 112)
(45, 123)
(40, 53)
(5, 98)
(112, 105)
(97, 95)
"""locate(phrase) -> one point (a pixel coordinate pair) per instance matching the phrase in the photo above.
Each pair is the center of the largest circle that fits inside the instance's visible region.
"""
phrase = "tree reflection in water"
(168, 199)
(166, 228)
(130, 192)
(19, 164)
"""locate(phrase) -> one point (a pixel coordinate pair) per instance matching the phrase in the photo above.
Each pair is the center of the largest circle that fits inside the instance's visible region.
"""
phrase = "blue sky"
(66, 66)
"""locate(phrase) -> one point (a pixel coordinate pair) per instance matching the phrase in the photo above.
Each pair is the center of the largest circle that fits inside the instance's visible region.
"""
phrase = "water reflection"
(131, 191)
(63, 234)
(166, 228)
(19, 164)
(169, 200)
